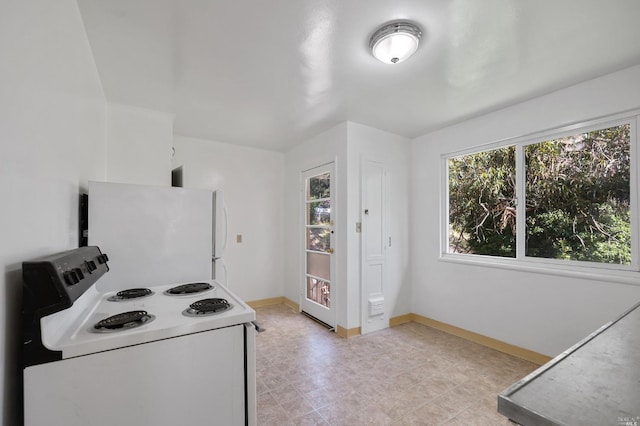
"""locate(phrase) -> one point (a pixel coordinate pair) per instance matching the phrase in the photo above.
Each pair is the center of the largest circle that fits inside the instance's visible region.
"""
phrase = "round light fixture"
(395, 41)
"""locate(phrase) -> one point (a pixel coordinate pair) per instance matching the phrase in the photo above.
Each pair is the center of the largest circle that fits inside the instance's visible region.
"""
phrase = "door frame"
(332, 318)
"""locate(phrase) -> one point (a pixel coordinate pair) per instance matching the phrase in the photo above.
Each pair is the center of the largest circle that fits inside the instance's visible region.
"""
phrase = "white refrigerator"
(157, 235)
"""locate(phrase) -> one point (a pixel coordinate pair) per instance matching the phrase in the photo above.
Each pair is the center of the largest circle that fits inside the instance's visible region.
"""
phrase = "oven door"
(194, 379)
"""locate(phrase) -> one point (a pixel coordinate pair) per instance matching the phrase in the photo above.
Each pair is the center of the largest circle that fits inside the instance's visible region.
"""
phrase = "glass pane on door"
(319, 291)
(319, 187)
(318, 265)
(318, 239)
(319, 213)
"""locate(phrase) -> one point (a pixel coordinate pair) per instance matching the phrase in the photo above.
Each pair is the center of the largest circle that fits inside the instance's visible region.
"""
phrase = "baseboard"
(266, 302)
(347, 333)
(290, 303)
(507, 348)
(274, 301)
(402, 319)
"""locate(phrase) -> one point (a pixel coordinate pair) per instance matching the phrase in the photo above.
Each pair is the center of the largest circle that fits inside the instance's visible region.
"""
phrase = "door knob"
(330, 250)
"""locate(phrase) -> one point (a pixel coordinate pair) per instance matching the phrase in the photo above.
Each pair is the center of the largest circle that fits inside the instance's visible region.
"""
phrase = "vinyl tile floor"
(405, 375)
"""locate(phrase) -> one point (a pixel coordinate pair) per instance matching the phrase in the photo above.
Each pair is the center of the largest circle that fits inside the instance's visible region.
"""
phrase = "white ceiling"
(272, 73)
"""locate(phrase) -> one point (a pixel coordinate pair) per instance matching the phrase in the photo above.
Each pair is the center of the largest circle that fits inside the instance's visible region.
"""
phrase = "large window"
(563, 197)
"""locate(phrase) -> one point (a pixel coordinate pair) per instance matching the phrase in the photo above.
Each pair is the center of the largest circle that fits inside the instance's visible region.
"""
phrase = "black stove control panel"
(51, 284)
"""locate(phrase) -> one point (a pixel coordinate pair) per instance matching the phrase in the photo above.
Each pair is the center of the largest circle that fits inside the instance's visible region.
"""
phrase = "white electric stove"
(164, 355)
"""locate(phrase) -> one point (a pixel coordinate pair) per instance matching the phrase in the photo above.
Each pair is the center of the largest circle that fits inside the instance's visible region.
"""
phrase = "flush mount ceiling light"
(396, 41)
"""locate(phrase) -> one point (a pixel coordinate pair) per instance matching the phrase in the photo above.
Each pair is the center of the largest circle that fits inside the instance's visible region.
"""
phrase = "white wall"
(139, 145)
(52, 127)
(542, 312)
(252, 180)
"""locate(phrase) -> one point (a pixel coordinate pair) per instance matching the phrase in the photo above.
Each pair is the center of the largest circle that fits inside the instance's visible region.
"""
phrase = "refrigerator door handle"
(226, 227)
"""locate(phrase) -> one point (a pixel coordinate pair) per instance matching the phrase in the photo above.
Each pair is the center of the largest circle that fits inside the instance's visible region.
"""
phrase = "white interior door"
(318, 206)
(374, 243)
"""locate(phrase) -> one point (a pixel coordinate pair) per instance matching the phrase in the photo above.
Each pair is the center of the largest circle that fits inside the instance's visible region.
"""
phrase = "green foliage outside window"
(319, 186)
(481, 203)
(577, 199)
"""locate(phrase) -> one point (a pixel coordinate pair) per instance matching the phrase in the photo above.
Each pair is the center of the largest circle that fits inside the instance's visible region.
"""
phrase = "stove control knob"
(103, 258)
(71, 278)
(91, 266)
(78, 273)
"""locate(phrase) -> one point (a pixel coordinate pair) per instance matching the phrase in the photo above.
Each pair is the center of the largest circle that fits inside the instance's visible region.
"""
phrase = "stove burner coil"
(191, 288)
(207, 307)
(132, 293)
(124, 321)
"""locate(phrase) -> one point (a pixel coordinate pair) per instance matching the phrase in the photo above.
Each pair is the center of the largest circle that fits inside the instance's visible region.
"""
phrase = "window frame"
(561, 266)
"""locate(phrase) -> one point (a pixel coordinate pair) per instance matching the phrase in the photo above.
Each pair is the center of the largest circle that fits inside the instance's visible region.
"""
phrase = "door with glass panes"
(319, 210)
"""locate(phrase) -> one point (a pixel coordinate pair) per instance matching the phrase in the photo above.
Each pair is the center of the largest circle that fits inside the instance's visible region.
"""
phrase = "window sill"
(628, 277)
